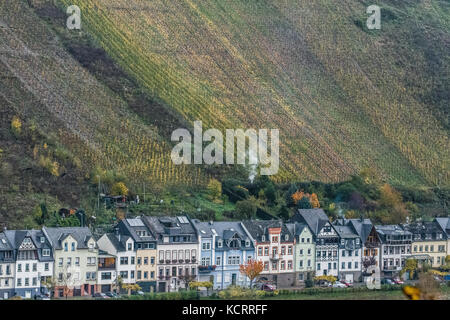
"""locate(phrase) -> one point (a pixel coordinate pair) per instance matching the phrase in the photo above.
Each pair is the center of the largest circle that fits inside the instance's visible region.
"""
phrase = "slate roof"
(119, 245)
(296, 228)
(425, 229)
(391, 230)
(130, 227)
(314, 218)
(258, 228)
(80, 234)
(444, 224)
(16, 237)
(5, 245)
(225, 230)
(362, 228)
(170, 226)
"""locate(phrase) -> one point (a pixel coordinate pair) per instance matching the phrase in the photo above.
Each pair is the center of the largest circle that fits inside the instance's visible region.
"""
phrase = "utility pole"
(98, 194)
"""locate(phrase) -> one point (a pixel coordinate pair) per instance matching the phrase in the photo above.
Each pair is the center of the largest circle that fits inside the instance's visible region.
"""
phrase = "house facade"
(223, 247)
(75, 254)
(325, 238)
(371, 243)
(444, 225)
(177, 251)
(429, 242)
(144, 249)
(350, 252)
(34, 261)
(304, 251)
(7, 268)
(395, 248)
(122, 248)
(274, 247)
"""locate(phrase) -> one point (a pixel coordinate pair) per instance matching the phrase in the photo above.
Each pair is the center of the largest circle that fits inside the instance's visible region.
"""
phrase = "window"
(266, 251)
(343, 266)
(286, 237)
(263, 238)
(139, 274)
(309, 251)
(123, 260)
(335, 266)
(34, 282)
(343, 253)
(145, 260)
(309, 263)
(301, 263)
(282, 266)
(60, 262)
(349, 265)
(303, 240)
(274, 239)
(66, 246)
(260, 249)
(220, 244)
(247, 243)
(283, 250)
(34, 266)
(290, 265)
(139, 259)
(218, 261)
(69, 261)
(19, 282)
(46, 252)
(356, 264)
(318, 266)
(124, 274)
(46, 266)
(77, 261)
(301, 251)
(42, 239)
(73, 246)
(266, 266)
(206, 246)
(289, 249)
(130, 246)
(152, 260)
(27, 282)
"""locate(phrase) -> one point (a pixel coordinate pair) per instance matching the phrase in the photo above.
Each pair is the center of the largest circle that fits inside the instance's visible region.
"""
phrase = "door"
(5, 295)
(349, 278)
(162, 287)
(27, 294)
(233, 279)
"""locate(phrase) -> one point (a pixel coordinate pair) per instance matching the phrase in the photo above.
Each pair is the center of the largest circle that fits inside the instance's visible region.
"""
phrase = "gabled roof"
(80, 234)
(431, 228)
(119, 244)
(224, 230)
(130, 227)
(258, 228)
(316, 219)
(444, 224)
(16, 238)
(362, 227)
(5, 245)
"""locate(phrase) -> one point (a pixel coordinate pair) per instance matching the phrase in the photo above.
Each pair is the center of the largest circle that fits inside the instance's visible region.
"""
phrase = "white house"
(120, 246)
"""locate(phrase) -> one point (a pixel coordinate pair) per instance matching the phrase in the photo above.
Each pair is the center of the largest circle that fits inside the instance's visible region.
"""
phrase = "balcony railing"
(206, 269)
(274, 257)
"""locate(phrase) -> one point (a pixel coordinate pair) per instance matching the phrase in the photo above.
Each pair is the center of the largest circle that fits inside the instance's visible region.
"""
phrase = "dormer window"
(220, 244)
(342, 242)
(286, 237)
(357, 241)
(247, 243)
(263, 238)
(42, 239)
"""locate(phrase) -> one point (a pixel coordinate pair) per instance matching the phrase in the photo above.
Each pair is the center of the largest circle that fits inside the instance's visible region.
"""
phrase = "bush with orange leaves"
(313, 199)
(251, 270)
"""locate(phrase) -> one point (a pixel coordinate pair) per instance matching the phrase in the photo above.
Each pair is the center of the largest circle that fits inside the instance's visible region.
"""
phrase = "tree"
(252, 270)
(214, 189)
(314, 200)
(246, 209)
(391, 200)
(119, 189)
(304, 203)
(129, 287)
(16, 126)
(50, 284)
(284, 213)
(410, 267)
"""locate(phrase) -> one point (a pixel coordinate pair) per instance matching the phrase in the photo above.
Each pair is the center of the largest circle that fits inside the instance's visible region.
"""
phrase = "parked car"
(347, 284)
(387, 281)
(41, 297)
(100, 295)
(112, 294)
(398, 281)
(338, 284)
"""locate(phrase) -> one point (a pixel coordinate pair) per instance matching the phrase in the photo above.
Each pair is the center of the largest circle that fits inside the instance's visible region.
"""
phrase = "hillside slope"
(343, 98)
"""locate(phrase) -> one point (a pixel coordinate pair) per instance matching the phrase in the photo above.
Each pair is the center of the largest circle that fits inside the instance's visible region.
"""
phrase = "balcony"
(206, 269)
(274, 257)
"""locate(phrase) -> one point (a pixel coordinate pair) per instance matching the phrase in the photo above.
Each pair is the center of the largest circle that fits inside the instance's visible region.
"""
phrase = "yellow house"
(444, 224)
(429, 243)
(76, 252)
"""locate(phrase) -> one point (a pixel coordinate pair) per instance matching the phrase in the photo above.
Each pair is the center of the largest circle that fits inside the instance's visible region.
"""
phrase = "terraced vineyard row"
(333, 90)
(92, 122)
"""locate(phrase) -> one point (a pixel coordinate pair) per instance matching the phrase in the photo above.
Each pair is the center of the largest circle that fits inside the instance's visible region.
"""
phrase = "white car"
(339, 284)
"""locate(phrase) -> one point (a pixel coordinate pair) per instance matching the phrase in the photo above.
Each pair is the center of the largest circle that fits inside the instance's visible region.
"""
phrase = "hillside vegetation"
(344, 98)
(104, 100)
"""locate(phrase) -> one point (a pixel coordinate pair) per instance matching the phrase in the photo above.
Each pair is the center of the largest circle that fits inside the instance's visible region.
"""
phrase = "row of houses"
(166, 253)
